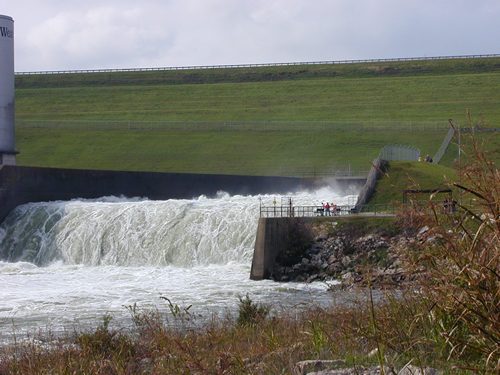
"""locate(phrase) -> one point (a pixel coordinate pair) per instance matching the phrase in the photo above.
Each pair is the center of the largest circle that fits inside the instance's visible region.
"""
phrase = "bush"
(459, 256)
(251, 313)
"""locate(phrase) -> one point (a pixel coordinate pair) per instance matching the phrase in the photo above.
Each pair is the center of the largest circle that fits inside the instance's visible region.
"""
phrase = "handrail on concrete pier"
(318, 211)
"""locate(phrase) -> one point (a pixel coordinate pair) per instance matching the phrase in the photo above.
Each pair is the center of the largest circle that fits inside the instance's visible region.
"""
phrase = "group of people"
(328, 209)
(427, 159)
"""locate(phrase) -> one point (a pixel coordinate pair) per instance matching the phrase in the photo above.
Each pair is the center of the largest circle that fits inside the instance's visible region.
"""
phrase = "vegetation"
(400, 175)
(253, 152)
(410, 175)
(262, 74)
(251, 313)
(449, 320)
(272, 120)
(460, 262)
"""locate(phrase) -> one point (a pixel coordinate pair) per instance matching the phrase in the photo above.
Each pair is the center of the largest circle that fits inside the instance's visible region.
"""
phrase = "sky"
(112, 34)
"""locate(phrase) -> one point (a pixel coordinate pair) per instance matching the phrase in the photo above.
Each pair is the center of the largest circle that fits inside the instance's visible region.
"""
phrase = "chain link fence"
(302, 126)
(399, 152)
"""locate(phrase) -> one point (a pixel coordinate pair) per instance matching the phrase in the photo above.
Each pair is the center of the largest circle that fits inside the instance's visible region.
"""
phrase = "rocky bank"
(350, 251)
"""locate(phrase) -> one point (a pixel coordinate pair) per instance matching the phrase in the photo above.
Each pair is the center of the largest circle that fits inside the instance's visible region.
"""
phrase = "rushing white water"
(66, 264)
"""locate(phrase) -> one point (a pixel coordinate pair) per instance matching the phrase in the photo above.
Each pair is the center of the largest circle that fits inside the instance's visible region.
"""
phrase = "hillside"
(410, 175)
(286, 120)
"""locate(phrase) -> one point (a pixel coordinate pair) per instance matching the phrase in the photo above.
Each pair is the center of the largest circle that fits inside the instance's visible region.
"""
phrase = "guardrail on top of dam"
(232, 66)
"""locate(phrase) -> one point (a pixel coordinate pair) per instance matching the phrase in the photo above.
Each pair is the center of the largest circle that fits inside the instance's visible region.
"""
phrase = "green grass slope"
(365, 100)
(252, 152)
(272, 120)
(264, 73)
(410, 175)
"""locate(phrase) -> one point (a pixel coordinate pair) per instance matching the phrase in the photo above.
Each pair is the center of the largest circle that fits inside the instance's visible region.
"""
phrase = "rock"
(422, 231)
(332, 259)
(321, 237)
(414, 370)
(306, 367)
(335, 254)
(347, 278)
(353, 371)
(313, 277)
(315, 249)
(346, 261)
(334, 268)
(146, 365)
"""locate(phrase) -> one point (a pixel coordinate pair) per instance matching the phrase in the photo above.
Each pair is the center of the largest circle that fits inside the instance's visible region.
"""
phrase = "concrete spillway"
(19, 185)
(65, 264)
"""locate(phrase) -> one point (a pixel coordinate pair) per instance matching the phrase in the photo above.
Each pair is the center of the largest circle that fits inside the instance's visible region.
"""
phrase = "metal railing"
(232, 66)
(319, 211)
(301, 211)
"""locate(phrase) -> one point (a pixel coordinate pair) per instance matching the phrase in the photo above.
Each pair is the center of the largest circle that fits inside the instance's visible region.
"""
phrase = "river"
(64, 265)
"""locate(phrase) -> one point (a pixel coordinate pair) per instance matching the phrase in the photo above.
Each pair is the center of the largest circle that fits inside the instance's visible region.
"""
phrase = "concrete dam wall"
(20, 185)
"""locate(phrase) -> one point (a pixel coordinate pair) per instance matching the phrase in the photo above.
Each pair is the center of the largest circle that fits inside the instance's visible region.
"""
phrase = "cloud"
(57, 34)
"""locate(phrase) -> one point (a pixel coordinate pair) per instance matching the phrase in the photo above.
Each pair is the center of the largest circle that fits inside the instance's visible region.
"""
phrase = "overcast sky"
(93, 34)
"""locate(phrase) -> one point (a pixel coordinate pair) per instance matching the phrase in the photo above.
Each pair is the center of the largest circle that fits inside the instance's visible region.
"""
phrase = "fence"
(261, 126)
(399, 152)
(232, 66)
(319, 211)
(444, 146)
(301, 211)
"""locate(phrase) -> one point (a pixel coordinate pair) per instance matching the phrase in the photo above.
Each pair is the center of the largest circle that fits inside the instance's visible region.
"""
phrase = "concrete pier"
(273, 237)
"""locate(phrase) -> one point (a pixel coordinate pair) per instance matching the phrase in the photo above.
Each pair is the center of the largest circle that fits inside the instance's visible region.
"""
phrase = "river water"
(64, 265)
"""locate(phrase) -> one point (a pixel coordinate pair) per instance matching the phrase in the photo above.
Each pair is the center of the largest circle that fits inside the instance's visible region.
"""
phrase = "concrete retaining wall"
(271, 240)
(378, 168)
(275, 237)
(19, 185)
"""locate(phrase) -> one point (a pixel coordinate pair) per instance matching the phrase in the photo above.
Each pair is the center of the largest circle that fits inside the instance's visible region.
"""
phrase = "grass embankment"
(410, 175)
(266, 73)
(250, 152)
(284, 119)
(400, 176)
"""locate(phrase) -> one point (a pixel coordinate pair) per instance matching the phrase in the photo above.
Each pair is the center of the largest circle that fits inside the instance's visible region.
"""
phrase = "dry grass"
(459, 259)
(401, 329)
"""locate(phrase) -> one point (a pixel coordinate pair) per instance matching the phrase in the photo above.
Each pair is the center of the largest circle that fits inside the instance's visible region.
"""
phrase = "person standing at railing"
(321, 210)
(327, 209)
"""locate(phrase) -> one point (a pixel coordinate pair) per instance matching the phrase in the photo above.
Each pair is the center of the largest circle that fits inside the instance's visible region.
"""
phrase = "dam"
(66, 264)
(79, 245)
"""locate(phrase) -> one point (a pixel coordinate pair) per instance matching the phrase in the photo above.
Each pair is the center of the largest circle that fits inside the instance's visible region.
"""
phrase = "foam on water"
(68, 263)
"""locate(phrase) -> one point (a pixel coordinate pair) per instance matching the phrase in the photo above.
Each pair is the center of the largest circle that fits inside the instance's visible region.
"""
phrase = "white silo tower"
(7, 133)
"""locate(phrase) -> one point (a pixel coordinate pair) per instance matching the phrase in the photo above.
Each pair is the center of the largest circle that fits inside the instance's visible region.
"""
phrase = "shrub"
(459, 255)
(251, 313)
